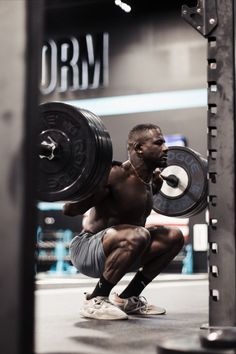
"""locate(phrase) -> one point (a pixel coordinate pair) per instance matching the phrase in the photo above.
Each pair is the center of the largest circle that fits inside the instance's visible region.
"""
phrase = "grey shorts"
(87, 254)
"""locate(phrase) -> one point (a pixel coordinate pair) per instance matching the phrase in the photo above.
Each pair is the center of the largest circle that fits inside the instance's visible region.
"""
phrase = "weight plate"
(181, 174)
(106, 150)
(189, 197)
(203, 200)
(224, 338)
(92, 178)
(73, 170)
(98, 172)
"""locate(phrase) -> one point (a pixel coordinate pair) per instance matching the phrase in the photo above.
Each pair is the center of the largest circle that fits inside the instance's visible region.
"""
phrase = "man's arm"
(79, 208)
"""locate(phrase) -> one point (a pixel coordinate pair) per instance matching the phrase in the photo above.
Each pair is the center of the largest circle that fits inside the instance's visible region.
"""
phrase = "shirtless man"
(114, 240)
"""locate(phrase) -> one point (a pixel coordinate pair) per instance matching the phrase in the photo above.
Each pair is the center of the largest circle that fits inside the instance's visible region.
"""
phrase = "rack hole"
(212, 42)
(213, 109)
(214, 271)
(215, 295)
(212, 154)
(214, 247)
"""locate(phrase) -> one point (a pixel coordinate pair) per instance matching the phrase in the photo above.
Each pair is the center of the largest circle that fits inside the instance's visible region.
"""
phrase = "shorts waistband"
(82, 233)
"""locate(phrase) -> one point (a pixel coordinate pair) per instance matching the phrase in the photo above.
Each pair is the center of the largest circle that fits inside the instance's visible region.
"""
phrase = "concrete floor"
(60, 329)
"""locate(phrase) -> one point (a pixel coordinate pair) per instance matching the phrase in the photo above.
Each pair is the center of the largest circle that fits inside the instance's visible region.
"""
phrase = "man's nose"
(165, 148)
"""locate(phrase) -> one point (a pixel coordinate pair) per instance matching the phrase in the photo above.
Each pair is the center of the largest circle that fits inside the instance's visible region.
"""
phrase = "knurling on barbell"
(75, 157)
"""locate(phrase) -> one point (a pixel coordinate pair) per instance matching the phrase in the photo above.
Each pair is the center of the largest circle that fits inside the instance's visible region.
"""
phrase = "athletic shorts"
(87, 254)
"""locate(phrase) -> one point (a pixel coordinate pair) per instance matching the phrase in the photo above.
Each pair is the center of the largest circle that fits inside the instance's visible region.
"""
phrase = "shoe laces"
(141, 303)
(99, 300)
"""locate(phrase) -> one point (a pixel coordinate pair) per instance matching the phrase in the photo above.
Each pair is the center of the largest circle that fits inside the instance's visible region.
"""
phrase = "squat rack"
(214, 19)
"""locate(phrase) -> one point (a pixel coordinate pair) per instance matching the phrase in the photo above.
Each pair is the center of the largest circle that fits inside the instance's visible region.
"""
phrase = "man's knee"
(137, 239)
(176, 238)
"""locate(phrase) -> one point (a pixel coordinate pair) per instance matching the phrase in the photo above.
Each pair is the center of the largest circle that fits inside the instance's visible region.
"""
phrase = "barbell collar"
(48, 149)
(171, 180)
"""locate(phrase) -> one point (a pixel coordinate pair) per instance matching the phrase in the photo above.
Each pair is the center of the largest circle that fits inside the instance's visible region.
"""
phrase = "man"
(115, 241)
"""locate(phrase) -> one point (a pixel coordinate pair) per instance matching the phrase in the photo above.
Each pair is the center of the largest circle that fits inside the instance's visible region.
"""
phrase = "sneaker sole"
(146, 314)
(96, 317)
(163, 312)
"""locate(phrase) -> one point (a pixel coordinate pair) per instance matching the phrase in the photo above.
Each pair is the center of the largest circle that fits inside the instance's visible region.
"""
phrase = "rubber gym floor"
(60, 329)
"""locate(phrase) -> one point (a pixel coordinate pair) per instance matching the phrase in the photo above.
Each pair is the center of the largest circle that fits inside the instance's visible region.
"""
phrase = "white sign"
(200, 237)
(75, 63)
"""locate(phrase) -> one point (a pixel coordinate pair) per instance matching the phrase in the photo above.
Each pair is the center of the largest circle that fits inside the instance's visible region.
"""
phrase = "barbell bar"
(75, 157)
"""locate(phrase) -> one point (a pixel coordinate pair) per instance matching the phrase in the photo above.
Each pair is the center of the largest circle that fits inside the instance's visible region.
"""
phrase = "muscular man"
(114, 240)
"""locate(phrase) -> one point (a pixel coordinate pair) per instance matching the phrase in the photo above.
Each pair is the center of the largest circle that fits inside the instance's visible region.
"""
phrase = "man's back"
(127, 200)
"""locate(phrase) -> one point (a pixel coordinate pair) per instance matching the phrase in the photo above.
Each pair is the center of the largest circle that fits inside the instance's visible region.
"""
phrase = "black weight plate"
(203, 200)
(97, 171)
(224, 338)
(92, 178)
(106, 149)
(102, 158)
(190, 200)
(104, 165)
(62, 177)
(197, 199)
(185, 344)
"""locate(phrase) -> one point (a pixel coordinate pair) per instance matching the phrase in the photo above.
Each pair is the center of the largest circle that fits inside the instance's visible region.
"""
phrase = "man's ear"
(138, 148)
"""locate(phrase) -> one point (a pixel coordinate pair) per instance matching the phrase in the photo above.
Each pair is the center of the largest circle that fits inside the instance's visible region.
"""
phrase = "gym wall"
(148, 51)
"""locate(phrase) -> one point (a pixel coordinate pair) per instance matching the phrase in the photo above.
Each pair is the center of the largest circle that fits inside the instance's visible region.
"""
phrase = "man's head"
(147, 142)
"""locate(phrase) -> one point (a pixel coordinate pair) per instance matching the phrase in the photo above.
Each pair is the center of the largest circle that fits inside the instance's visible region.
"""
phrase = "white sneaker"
(136, 305)
(100, 308)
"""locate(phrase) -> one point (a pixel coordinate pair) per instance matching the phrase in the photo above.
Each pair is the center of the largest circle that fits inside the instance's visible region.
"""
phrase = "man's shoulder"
(117, 170)
(116, 163)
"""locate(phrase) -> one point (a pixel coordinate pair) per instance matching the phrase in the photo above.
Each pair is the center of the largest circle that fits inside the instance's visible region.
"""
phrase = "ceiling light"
(123, 5)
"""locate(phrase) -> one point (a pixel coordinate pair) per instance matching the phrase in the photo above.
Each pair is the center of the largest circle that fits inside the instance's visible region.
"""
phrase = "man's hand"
(157, 181)
(72, 209)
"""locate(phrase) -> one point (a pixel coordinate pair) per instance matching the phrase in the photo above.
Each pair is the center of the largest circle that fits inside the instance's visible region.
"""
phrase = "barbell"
(75, 157)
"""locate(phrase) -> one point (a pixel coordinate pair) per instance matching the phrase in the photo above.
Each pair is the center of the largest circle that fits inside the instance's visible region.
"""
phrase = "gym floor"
(60, 329)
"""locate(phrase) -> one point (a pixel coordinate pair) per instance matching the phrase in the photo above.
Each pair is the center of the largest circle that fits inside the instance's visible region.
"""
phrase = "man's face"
(154, 149)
